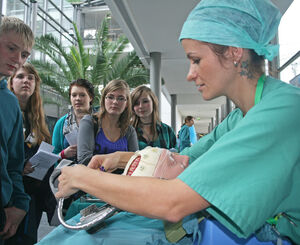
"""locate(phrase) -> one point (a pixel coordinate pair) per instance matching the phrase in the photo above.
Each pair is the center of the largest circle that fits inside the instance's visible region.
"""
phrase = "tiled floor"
(44, 228)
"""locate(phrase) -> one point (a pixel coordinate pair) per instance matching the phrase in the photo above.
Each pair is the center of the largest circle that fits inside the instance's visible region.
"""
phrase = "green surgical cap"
(250, 24)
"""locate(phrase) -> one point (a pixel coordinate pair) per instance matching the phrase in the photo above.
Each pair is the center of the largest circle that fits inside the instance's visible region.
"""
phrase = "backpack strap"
(96, 124)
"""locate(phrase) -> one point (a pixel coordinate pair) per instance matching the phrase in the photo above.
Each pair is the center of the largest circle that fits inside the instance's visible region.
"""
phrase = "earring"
(235, 63)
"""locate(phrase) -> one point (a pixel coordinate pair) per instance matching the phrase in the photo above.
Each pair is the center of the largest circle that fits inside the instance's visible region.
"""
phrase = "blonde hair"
(13, 24)
(135, 95)
(124, 119)
(34, 107)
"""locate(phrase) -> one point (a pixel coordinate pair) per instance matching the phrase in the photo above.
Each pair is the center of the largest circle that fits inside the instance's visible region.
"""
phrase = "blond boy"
(16, 41)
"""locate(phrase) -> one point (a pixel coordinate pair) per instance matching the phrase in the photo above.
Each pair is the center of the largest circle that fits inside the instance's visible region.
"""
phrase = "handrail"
(54, 20)
(57, 29)
(54, 5)
(286, 64)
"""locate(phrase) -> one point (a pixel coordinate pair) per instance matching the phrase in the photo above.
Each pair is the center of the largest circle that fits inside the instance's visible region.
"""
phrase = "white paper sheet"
(72, 137)
(43, 160)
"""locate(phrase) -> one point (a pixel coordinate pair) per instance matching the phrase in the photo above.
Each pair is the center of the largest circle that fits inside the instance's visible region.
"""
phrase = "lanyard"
(259, 88)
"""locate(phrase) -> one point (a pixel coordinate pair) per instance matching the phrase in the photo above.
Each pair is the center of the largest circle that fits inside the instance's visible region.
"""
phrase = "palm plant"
(104, 62)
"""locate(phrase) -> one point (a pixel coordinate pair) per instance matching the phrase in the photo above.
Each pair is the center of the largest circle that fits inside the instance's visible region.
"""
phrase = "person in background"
(184, 133)
(81, 94)
(16, 41)
(108, 130)
(150, 130)
(239, 173)
(25, 84)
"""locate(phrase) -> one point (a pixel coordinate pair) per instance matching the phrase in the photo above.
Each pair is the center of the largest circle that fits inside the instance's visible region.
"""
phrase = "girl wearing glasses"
(108, 130)
(150, 130)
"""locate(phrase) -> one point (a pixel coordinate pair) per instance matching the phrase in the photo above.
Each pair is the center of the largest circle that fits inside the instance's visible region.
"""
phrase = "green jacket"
(166, 137)
(12, 150)
(58, 136)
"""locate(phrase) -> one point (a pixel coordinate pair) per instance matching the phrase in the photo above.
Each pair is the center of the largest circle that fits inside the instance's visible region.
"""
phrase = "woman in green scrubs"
(247, 170)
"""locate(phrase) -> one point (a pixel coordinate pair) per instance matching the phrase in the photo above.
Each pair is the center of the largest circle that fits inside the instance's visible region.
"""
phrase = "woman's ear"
(234, 54)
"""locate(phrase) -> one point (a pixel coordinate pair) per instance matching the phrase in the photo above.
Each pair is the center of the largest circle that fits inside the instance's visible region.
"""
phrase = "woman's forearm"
(147, 196)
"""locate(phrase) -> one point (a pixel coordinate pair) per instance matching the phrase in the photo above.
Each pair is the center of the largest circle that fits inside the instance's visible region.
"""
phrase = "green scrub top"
(248, 167)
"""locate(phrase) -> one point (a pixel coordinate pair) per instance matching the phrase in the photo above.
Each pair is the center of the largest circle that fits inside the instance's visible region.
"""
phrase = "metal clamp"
(92, 217)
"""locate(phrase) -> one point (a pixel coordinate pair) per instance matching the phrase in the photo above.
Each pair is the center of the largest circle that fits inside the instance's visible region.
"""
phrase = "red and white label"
(133, 165)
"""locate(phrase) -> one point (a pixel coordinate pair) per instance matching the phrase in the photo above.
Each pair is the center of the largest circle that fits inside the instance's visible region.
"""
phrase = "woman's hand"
(70, 151)
(67, 180)
(28, 168)
(110, 162)
(106, 162)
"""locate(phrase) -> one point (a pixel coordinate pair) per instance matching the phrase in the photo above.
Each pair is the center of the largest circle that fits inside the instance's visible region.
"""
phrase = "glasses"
(119, 99)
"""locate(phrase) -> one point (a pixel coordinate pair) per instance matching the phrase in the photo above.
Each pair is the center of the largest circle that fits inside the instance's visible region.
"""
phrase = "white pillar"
(217, 116)
(212, 123)
(0, 11)
(173, 111)
(33, 23)
(155, 75)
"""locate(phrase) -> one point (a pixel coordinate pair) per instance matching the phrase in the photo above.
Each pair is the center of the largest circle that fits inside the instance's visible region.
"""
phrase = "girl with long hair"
(150, 130)
(25, 84)
(108, 130)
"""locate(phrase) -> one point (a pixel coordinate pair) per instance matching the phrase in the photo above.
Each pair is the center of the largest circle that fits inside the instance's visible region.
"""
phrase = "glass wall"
(45, 17)
(289, 39)
(53, 16)
(56, 16)
(14, 8)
